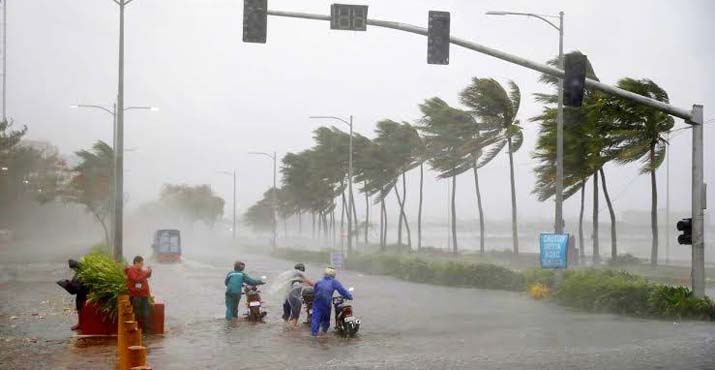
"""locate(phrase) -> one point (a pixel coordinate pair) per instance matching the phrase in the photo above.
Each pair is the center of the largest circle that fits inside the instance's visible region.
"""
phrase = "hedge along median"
(593, 290)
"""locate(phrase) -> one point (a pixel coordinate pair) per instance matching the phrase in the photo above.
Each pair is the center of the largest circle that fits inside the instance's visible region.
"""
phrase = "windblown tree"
(260, 216)
(193, 203)
(587, 144)
(91, 184)
(445, 131)
(402, 143)
(639, 134)
(495, 110)
(377, 179)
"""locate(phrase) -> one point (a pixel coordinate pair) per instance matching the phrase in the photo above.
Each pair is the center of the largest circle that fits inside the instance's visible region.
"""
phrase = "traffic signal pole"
(693, 117)
(698, 205)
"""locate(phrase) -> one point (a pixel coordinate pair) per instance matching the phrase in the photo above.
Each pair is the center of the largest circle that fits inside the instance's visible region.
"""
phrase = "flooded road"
(405, 326)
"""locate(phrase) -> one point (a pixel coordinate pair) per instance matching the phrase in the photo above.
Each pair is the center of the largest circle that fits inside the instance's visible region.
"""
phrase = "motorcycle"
(254, 303)
(308, 303)
(345, 323)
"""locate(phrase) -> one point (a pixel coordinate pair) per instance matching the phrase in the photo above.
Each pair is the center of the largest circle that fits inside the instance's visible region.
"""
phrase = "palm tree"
(639, 133)
(496, 111)
(587, 144)
(445, 131)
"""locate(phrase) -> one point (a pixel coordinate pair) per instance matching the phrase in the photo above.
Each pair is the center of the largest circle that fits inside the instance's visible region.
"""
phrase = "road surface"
(405, 326)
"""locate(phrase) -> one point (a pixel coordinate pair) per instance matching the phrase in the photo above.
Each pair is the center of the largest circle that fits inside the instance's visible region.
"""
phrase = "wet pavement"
(405, 326)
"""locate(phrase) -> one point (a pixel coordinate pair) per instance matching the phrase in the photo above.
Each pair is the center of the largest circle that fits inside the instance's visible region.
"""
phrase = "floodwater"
(404, 326)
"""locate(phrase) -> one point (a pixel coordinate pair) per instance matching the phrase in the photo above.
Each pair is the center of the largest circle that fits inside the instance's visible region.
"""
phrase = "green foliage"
(260, 216)
(624, 293)
(624, 260)
(91, 184)
(679, 302)
(105, 279)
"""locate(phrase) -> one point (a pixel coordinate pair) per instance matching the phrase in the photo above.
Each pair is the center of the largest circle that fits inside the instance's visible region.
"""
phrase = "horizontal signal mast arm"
(685, 114)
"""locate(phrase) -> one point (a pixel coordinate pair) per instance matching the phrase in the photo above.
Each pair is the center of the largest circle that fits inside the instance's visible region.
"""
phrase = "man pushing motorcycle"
(323, 293)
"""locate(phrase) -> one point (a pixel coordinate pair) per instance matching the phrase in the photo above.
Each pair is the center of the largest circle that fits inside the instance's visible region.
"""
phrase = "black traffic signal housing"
(574, 79)
(438, 37)
(686, 226)
(255, 21)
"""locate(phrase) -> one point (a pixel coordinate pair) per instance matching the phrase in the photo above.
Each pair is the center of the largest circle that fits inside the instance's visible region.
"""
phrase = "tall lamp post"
(559, 186)
(351, 203)
(234, 198)
(118, 196)
(274, 157)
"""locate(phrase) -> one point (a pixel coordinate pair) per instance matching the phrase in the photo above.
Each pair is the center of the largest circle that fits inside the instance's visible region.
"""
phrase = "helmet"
(300, 267)
(239, 266)
(330, 271)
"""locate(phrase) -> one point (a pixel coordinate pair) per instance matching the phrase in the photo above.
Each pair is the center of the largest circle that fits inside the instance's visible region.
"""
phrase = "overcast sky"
(221, 98)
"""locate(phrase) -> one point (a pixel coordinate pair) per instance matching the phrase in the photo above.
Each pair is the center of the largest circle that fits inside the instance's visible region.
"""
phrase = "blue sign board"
(336, 259)
(553, 248)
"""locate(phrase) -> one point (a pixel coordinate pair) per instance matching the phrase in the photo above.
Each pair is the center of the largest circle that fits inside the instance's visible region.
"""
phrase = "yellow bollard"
(124, 310)
(137, 356)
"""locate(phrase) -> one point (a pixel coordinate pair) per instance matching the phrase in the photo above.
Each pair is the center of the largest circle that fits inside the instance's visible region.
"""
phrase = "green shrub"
(604, 291)
(105, 280)
(679, 302)
(624, 260)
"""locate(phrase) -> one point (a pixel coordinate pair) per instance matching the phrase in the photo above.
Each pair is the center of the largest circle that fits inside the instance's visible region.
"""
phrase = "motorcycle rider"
(323, 293)
(294, 299)
(234, 283)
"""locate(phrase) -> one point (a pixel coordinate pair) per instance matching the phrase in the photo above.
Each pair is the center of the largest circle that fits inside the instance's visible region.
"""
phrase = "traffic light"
(686, 226)
(348, 17)
(574, 79)
(438, 38)
(255, 21)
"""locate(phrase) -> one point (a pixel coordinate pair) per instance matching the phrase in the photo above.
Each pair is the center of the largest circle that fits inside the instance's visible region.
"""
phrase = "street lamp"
(234, 198)
(118, 183)
(351, 203)
(559, 186)
(275, 190)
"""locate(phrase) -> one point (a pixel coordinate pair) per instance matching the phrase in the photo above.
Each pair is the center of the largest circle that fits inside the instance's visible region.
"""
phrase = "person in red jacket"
(139, 292)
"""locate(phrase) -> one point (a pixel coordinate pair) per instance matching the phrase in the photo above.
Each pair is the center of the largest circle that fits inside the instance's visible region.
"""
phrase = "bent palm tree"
(639, 133)
(496, 111)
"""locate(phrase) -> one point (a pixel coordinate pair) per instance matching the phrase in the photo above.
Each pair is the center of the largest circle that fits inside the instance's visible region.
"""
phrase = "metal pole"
(558, 213)
(698, 204)
(667, 202)
(119, 150)
(275, 200)
(234, 204)
(4, 61)
(350, 187)
(114, 153)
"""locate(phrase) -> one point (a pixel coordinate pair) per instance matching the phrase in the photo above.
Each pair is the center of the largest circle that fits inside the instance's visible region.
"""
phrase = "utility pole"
(559, 212)
(4, 59)
(274, 157)
(234, 204)
(667, 201)
(698, 203)
(118, 250)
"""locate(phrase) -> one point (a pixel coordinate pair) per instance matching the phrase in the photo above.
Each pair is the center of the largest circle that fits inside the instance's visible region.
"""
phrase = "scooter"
(308, 303)
(254, 303)
(345, 323)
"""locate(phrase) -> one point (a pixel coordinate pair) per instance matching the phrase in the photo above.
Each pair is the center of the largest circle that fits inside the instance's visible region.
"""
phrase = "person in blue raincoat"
(234, 284)
(323, 299)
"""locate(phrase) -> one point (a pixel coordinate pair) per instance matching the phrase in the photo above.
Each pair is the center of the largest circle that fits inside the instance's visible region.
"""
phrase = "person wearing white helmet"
(323, 295)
